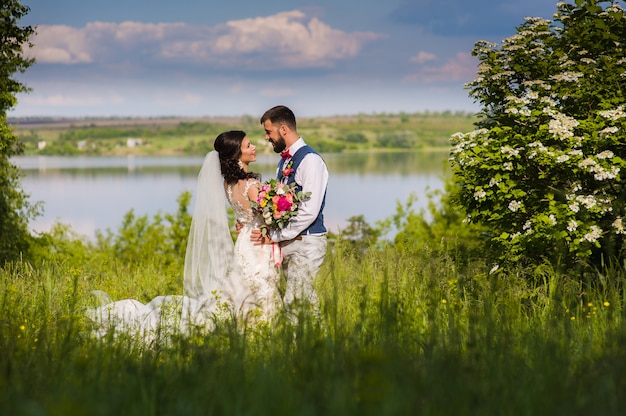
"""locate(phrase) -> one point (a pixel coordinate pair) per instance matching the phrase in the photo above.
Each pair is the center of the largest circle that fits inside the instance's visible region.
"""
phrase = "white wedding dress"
(221, 279)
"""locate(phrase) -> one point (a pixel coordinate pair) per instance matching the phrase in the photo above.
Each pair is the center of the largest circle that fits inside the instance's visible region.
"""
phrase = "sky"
(199, 58)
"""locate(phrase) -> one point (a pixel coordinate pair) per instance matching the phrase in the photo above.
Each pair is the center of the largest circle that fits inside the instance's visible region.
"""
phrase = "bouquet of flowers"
(278, 203)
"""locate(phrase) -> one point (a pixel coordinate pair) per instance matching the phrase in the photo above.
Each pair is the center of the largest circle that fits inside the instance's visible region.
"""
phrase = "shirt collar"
(296, 146)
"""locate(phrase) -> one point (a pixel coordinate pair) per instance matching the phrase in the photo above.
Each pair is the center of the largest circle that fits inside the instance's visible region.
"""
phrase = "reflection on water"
(92, 193)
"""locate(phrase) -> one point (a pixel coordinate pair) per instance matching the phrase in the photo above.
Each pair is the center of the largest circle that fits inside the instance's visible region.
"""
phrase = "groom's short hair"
(280, 114)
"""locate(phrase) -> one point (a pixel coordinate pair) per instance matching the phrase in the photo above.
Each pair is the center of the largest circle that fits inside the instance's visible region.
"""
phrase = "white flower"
(607, 154)
(494, 268)
(619, 226)
(562, 126)
(507, 165)
(572, 225)
(552, 219)
(594, 233)
(613, 115)
(589, 201)
(567, 76)
(508, 150)
(479, 194)
(608, 130)
(587, 162)
(562, 158)
(514, 205)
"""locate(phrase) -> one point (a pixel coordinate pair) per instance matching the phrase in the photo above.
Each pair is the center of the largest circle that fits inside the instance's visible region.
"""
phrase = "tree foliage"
(543, 168)
(15, 209)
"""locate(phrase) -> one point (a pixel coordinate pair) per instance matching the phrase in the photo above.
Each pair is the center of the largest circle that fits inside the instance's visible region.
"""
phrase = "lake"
(94, 193)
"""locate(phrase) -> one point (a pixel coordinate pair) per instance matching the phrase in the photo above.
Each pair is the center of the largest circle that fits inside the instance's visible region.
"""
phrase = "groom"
(303, 239)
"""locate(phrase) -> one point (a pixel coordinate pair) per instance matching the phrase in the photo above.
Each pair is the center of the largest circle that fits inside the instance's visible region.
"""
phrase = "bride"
(220, 277)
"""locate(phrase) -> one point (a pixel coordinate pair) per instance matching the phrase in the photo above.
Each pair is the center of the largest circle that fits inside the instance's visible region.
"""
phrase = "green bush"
(543, 169)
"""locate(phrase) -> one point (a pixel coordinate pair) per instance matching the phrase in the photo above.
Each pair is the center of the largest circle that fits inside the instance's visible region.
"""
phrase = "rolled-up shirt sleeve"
(312, 176)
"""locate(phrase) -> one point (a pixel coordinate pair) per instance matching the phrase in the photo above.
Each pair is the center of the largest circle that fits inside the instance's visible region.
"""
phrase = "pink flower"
(284, 204)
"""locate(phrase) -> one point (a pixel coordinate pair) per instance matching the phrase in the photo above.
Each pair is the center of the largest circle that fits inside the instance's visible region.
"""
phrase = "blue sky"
(198, 58)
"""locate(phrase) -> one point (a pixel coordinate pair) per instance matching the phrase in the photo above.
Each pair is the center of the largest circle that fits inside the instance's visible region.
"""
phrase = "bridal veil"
(209, 265)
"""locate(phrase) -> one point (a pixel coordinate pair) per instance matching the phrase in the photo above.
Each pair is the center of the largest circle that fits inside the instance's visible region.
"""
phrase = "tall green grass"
(399, 333)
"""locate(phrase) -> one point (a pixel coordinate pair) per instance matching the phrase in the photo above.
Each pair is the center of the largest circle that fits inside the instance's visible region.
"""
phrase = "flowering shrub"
(278, 203)
(543, 169)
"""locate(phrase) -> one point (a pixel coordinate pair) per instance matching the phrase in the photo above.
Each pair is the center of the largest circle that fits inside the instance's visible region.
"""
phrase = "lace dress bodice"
(237, 195)
(257, 262)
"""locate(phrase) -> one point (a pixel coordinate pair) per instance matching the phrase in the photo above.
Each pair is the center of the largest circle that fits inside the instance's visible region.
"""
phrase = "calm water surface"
(94, 193)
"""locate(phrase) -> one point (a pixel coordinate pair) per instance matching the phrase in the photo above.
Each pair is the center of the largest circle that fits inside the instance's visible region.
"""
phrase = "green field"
(403, 330)
(171, 136)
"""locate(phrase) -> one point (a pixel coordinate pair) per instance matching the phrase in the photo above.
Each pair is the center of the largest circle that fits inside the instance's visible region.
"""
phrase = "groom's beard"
(279, 145)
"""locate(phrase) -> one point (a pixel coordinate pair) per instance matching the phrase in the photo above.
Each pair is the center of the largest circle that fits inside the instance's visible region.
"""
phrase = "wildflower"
(607, 304)
(444, 301)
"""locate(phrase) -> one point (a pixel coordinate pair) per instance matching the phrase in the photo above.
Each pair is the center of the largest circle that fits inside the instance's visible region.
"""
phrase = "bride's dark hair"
(228, 147)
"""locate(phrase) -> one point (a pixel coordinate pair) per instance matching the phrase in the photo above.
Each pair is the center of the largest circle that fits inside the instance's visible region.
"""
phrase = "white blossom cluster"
(514, 205)
(594, 234)
(619, 226)
(509, 151)
(562, 126)
(568, 76)
(613, 115)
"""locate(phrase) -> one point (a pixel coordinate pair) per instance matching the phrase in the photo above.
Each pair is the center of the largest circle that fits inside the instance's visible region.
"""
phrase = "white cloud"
(60, 45)
(423, 57)
(460, 68)
(287, 39)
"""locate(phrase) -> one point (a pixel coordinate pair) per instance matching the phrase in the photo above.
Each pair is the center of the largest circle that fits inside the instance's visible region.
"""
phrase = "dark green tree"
(15, 209)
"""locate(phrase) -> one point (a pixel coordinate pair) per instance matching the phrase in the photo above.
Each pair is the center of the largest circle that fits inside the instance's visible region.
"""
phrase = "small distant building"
(41, 145)
(133, 142)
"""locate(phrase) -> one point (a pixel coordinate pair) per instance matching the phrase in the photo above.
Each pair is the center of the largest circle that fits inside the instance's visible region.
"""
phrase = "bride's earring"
(240, 164)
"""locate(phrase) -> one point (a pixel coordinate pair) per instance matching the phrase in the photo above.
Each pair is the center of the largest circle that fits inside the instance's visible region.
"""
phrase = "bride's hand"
(238, 226)
(258, 238)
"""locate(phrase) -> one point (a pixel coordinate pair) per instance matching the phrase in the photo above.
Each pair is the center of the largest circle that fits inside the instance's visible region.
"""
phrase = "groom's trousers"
(302, 259)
